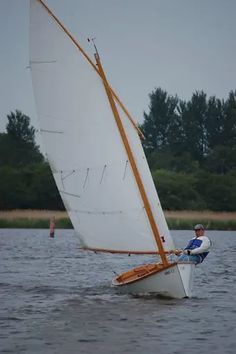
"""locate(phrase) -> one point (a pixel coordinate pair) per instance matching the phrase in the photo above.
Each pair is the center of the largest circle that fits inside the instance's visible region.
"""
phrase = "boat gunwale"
(152, 272)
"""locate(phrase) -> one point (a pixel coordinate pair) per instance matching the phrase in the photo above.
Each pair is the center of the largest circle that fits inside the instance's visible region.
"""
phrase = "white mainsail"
(84, 147)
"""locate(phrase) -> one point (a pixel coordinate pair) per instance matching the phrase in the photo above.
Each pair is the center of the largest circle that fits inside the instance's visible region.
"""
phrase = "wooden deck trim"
(145, 274)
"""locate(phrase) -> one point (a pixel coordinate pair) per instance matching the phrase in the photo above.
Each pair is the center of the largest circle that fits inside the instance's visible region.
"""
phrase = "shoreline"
(176, 220)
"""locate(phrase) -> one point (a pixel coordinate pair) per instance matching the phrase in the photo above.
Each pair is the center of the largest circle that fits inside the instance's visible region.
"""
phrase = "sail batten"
(89, 149)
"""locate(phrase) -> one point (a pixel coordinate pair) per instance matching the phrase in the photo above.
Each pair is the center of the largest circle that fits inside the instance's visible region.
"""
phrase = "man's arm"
(205, 246)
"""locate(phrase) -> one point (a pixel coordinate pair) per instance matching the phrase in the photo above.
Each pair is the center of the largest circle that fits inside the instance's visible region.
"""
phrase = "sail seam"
(51, 131)
(43, 61)
(98, 212)
(71, 194)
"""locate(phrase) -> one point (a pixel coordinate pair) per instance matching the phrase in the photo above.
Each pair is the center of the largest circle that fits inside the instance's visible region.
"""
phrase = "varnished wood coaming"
(141, 272)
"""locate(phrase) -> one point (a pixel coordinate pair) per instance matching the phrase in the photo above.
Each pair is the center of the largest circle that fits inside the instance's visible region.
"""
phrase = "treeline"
(190, 147)
(26, 181)
(191, 150)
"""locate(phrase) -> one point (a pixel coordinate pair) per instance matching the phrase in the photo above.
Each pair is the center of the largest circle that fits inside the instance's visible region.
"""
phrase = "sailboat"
(95, 153)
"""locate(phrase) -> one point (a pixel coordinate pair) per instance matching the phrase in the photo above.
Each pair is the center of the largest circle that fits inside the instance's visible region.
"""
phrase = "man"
(197, 249)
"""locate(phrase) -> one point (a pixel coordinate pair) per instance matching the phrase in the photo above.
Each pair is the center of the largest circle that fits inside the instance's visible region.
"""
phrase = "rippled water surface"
(55, 298)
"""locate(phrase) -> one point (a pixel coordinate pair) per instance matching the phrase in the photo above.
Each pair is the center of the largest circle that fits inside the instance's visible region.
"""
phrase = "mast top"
(96, 50)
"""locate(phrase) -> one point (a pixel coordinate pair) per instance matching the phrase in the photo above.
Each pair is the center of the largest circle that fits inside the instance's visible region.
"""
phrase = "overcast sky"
(179, 45)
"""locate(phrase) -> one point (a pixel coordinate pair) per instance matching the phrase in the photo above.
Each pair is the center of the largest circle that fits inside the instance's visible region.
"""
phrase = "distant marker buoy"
(52, 227)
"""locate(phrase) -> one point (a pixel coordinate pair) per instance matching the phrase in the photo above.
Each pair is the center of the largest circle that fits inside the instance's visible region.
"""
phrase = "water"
(55, 298)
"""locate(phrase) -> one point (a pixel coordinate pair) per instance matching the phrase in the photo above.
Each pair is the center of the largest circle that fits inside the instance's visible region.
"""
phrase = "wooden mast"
(132, 163)
(91, 63)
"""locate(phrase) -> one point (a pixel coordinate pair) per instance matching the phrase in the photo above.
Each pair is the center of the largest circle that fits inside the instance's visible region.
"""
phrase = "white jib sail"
(84, 147)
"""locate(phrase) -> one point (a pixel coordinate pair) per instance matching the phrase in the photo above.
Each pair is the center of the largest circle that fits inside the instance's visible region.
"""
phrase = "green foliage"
(11, 188)
(187, 224)
(197, 127)
(23, 223)
(167, 161)
(199, 191)
(190, 147)
(17, 146)
(26, 179)
(219, 191)
(215, 122)
(229, 122)
(177, 191)
(191, 150)
(18, 128)
(44, 187)
(221, 159)
(162, 121)
(194, 117)
(30, 187)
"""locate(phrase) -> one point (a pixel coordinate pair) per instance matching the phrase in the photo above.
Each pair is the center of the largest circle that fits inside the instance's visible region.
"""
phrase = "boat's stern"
(186, 271)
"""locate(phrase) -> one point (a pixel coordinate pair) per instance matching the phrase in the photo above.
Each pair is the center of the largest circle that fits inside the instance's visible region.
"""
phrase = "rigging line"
(126, 164)
(115, 212)
(86, 178)
(135, 125)
(103, 172)
(71, 194)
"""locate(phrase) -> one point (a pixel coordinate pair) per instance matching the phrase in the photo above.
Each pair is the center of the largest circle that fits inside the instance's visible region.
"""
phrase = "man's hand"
(188, 252)
(178, 252)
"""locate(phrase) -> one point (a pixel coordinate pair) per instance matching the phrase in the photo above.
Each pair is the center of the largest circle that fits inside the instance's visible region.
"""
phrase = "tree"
(215, 122)
(17, 146)
(167, 160)
(44, 189)
(12, 188)
(194, 117)
(221, 159)
(229, 122)
(28, 187)
(19, 129)
(177, 191)
(161, 127)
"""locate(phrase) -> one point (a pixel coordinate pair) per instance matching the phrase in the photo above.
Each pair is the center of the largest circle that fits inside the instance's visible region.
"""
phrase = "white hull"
(175, 282)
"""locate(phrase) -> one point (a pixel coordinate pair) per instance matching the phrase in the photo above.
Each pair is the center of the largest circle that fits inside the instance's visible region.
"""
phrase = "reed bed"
(177, 220)
(34, 219)
(201, 215)
(185, 220)
(32, 214)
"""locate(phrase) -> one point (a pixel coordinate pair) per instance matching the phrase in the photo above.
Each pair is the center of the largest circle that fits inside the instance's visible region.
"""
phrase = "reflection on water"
(57, 299)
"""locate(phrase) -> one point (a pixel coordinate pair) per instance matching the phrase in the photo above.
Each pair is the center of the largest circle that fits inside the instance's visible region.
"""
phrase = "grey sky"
(179, 45)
